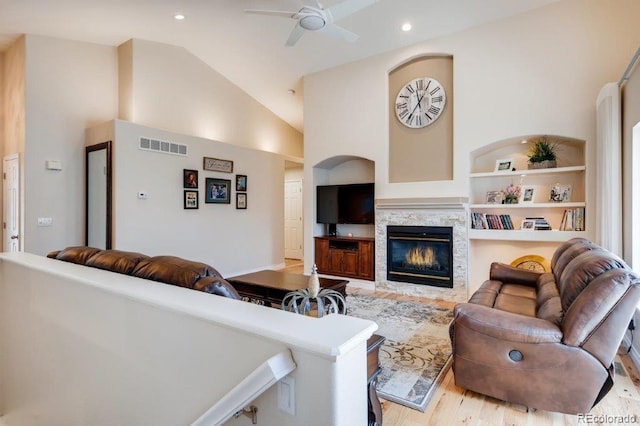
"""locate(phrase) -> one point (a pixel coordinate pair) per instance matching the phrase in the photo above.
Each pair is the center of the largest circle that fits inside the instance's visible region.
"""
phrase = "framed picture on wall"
(190, 199)
(217, 191)
(241, 183)
(189, 178)
(241, 201)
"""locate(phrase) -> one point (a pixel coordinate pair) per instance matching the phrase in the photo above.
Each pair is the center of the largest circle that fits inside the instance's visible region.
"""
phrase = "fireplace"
(420, 255)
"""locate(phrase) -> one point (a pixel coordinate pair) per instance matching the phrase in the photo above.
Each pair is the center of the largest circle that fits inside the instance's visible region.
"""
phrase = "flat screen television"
(345, 204)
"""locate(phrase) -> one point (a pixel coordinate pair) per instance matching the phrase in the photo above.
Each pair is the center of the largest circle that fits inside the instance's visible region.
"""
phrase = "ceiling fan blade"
(348, 7)
(295, 35)
(271, 13)
(340, 33)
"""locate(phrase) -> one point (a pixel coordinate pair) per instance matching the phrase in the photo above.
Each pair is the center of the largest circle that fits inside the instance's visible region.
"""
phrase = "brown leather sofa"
(166, 269)
(546, 341)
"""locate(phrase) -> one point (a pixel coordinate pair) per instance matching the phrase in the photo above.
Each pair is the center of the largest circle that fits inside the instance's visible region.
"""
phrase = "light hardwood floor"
(452, 405)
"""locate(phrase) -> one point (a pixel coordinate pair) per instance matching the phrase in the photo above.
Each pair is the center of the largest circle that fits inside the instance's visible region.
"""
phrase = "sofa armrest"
(218, 286)
(504, 325)
(509, 274)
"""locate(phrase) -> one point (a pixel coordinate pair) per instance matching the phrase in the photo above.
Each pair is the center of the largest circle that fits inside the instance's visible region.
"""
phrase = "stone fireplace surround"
(450, 211)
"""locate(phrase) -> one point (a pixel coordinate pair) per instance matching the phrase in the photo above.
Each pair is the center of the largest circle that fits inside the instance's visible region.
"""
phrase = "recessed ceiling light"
(178, 16)
(406, 27)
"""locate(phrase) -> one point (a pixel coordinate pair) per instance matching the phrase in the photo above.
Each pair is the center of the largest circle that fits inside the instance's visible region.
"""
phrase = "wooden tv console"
(346, 256)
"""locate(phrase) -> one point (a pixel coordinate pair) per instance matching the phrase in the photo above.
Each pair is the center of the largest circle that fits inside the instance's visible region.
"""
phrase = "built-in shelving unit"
(571, 172)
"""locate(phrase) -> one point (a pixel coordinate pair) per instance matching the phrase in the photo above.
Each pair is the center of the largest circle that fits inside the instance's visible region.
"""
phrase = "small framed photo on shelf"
(527, 194)
(190, 199)
(241, 201)
(560, 193)
(217, 191)
(494, 197)
(504, 165)
(189, 178)
(241, 183)
(528, 225)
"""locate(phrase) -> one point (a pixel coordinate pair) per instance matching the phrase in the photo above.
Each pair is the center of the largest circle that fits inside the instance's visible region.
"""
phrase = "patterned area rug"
(416, 351)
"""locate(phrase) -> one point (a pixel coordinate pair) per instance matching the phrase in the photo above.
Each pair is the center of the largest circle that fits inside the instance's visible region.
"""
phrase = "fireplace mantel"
(422, 203)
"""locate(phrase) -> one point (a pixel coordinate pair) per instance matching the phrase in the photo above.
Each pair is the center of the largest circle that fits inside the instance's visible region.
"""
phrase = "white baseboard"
(251, 271)
(633, 354)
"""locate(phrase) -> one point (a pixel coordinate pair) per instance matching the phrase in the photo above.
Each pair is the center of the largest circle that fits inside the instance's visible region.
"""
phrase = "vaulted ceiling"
(250, 49)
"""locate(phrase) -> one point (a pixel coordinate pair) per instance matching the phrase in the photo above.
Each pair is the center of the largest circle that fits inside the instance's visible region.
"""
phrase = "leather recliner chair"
(546, 341)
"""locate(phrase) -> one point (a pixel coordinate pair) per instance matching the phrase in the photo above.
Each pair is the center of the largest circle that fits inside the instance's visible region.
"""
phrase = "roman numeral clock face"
(420, 102)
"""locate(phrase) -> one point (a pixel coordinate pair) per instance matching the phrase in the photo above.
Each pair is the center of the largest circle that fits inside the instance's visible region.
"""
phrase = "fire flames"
(422, 258)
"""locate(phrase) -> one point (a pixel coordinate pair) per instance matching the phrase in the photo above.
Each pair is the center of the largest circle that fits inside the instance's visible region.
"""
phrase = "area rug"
(417, 349)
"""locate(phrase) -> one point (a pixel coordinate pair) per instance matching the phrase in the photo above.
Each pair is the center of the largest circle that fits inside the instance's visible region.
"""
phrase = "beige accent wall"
(125, 81)
(425, 154)
(174, 90)
(14, 97)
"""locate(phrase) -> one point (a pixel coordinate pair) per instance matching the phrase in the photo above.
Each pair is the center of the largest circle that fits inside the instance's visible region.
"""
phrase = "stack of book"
(491, 221)
(573, 220)
(540, 223)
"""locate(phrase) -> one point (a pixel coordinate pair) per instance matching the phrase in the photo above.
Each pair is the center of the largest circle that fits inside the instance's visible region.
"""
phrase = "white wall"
(83, 346)
(69, 86)
(174, 90)
(231, 240)
(535, 73)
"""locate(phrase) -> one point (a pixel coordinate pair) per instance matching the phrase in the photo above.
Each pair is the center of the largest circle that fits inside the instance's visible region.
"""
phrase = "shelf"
(528, 172)
(563, 205)
(518, 235)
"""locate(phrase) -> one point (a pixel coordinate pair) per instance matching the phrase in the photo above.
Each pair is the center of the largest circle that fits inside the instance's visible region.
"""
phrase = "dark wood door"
(350, 262)
(335, 261)
(322, 255)
(366, 260)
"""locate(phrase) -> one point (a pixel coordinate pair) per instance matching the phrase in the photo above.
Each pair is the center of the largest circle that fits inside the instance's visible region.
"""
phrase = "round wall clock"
(420, 102)
(533, 263)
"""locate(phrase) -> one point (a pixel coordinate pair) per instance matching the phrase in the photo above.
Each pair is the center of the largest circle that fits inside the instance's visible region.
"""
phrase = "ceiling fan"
(313, 17)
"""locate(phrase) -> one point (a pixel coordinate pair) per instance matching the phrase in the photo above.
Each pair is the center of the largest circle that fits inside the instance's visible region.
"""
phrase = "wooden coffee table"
(269, 287)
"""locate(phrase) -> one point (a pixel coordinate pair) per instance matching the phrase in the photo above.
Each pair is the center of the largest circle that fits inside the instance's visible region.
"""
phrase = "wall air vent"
(173, 148)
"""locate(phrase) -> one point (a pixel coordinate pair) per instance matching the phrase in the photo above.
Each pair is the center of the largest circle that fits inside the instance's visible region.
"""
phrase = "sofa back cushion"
(119, 261)
(567, 252)
(78, 255)
(174, 270)
(582, 270)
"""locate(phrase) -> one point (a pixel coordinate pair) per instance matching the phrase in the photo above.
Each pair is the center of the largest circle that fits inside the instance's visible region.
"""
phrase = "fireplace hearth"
(420, 255)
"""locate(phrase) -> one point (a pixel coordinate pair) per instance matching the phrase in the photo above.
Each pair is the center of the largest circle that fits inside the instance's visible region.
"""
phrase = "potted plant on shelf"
(542, 154)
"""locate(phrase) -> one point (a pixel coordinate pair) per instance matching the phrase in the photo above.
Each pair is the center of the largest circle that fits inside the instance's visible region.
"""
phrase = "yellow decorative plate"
(532, 262)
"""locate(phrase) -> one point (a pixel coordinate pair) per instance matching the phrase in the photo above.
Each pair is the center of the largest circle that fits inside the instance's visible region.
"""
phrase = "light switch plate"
(45, 221)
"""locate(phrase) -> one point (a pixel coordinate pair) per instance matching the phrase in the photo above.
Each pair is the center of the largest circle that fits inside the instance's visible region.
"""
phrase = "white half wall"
(83, 346)
(231, 240)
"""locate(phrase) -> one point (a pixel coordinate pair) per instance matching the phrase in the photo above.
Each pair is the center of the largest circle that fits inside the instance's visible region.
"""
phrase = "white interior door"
(293, 219)
(11, 197)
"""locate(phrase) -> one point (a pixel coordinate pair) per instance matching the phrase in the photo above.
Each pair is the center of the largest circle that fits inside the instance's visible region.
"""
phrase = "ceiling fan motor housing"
(312, 22)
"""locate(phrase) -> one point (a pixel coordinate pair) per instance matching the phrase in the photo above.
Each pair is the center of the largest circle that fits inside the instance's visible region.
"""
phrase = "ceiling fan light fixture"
(312, 22)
